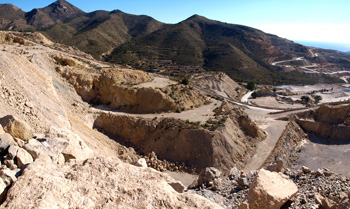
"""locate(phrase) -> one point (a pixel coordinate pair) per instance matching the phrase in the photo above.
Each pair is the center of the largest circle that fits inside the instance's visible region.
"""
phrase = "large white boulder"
(269, 190)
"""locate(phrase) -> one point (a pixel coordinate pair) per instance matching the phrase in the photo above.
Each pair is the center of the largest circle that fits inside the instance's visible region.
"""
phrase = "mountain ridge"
(196, 43)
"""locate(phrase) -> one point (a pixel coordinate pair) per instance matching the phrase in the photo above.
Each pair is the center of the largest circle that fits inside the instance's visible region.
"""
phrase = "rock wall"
(331, 124)
(176, 141)
(114, 87)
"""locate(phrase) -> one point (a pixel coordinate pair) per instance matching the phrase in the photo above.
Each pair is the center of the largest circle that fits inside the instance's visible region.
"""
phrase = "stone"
(177, 186)
(61, 159)
(206, 176)
(19, 142)
(12, 152)
(243, 182)
(318, 198)
(234, 173)
(270, 190)
(74, 147)
(141, 163)
(306, 169)
(319, 172)
(10, 176)
(3, 190)
(16, 127)
(1, 129)
(97, 183)
(23, 158)
(276, 166)
(5, 141)
(10, 164)
(329, 204)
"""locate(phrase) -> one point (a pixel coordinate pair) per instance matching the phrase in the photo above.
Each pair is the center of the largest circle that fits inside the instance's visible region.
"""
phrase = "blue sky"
(316, 20)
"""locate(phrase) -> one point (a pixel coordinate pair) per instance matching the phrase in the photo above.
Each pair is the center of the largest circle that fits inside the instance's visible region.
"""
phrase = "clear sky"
(316, 20)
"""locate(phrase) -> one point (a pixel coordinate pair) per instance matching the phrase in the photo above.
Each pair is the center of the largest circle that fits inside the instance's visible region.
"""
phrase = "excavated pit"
(231, 144)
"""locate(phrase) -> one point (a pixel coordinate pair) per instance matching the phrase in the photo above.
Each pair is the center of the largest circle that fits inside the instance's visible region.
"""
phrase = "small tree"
(251, 85)
(185, 81)
(318, 98)
(255, 94)
(305, 99)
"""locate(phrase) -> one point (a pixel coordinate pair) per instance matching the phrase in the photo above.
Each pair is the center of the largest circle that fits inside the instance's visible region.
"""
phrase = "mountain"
(12, 17)
(192, 45)
(241, 52)
(101, 31)
(56, 12)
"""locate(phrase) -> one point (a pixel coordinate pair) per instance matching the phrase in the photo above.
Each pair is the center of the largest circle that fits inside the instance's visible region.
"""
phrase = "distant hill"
(101, 31)
(12, 18)
(56, 12)
(239, 51)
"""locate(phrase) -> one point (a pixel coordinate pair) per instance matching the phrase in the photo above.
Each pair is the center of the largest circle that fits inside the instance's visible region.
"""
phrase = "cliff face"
(116, 88)
(331, 124)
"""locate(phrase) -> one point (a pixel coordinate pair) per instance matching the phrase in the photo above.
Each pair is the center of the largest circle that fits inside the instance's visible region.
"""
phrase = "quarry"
(78, 132)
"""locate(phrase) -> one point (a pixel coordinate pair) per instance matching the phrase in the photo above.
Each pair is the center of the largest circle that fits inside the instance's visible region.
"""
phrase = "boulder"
(16, 127)
(269, 190)
(10, 164)
(306, 169)
(23, 158)
(73, 147)
(5, 141)
(9, 176)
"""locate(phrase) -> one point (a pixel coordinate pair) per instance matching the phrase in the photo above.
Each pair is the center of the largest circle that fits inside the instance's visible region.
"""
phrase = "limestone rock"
(276, 166)
(5, 141)
(1, 129)
(10, 164)
(141, 163)
(12, 152)
(97, 183)
(206, 176)
(23, 158)
(306, 169)
(270, 190)
(177, 186)
(16, 127)
(234, 173)
(74, 147)
(2, 190)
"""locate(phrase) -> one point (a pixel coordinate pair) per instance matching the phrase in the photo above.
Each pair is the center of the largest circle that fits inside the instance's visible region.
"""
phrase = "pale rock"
(10, 164)
(3, 187)
(74, 147)
(10, 176)
(270, 190)
(19, 142)
(234, 173)
(5, 141)
(1, 129)
(23, 158)
(141, 163)
(206, 176)
(276, 166)
(16, 127)
(97, 183)
(61, 159)
(177, 186)
(243, 182)
(12, 152)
